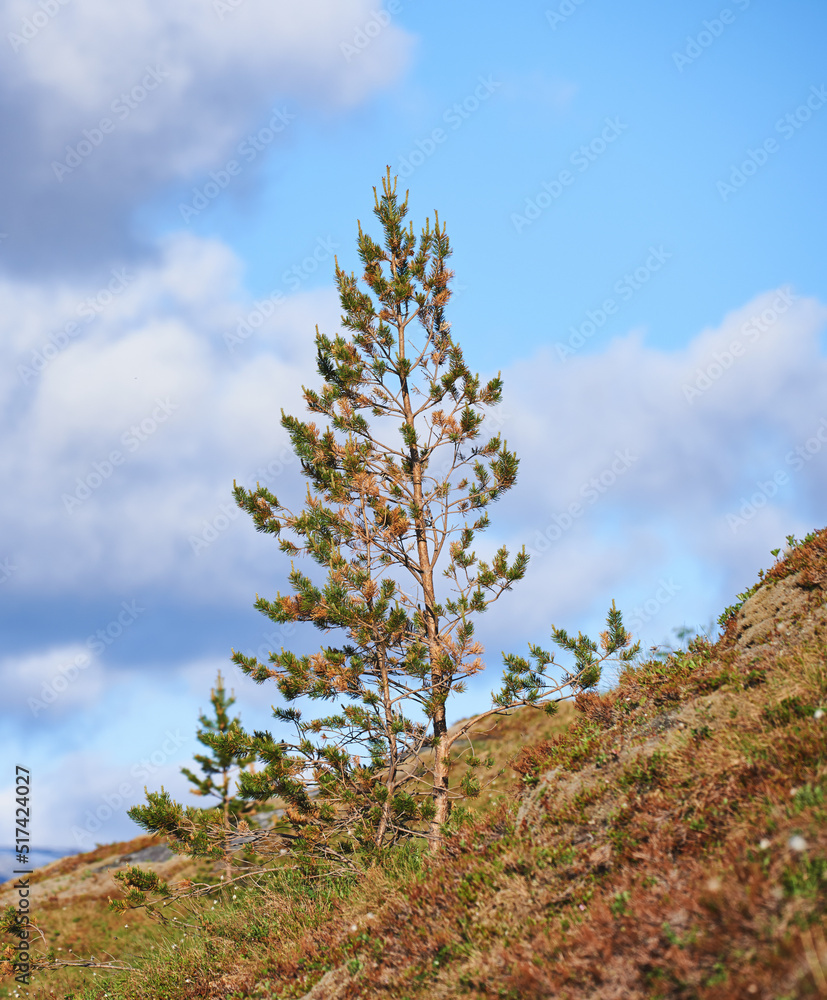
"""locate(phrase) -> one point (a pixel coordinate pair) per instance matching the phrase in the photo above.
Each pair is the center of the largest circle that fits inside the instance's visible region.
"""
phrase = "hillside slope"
(671, 842)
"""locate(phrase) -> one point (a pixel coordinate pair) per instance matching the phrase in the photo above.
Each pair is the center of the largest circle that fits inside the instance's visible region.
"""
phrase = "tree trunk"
(390, 780)
(228, 866)
(440, 793)
(440, 685)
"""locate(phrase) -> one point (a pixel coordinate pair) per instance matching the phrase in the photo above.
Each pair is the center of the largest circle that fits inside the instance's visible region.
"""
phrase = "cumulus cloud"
(179, 85)
(124, 436)
(56, 681)
(696, 423)
(81, 798)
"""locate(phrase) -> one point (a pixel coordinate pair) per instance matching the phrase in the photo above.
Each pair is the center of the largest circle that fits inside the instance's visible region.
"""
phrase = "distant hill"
(38, 858)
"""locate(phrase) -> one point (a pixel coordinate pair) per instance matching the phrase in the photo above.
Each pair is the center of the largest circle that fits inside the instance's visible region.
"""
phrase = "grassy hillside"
(670, 842)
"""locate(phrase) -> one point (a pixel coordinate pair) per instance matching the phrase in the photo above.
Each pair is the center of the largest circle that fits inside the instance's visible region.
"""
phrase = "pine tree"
(391, 513)
(391, 501)
(206, 832)
(222, 762)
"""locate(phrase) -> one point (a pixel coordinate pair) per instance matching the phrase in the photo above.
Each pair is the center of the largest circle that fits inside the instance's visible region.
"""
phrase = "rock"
(331, 986)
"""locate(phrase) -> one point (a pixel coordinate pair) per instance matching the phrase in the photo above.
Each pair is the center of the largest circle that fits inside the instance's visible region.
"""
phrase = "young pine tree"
(399, 485)
(205, 832)
(222, 764)
(393, 506)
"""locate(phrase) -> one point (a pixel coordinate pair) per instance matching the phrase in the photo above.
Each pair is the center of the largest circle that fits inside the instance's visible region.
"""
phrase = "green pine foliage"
(222, 763)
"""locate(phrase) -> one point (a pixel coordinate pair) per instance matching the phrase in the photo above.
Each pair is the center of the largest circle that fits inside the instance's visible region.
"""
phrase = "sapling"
(400, 482)
(401, 477)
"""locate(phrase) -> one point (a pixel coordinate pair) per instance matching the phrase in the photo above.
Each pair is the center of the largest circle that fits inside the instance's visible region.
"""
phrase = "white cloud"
(54, 682)
(91, 52)
(92, 763)
(689, 450)
(110, 104)
(128, 440)
(81, 798)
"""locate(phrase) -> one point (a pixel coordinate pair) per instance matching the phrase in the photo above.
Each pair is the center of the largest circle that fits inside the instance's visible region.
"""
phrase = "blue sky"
(636, 203)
